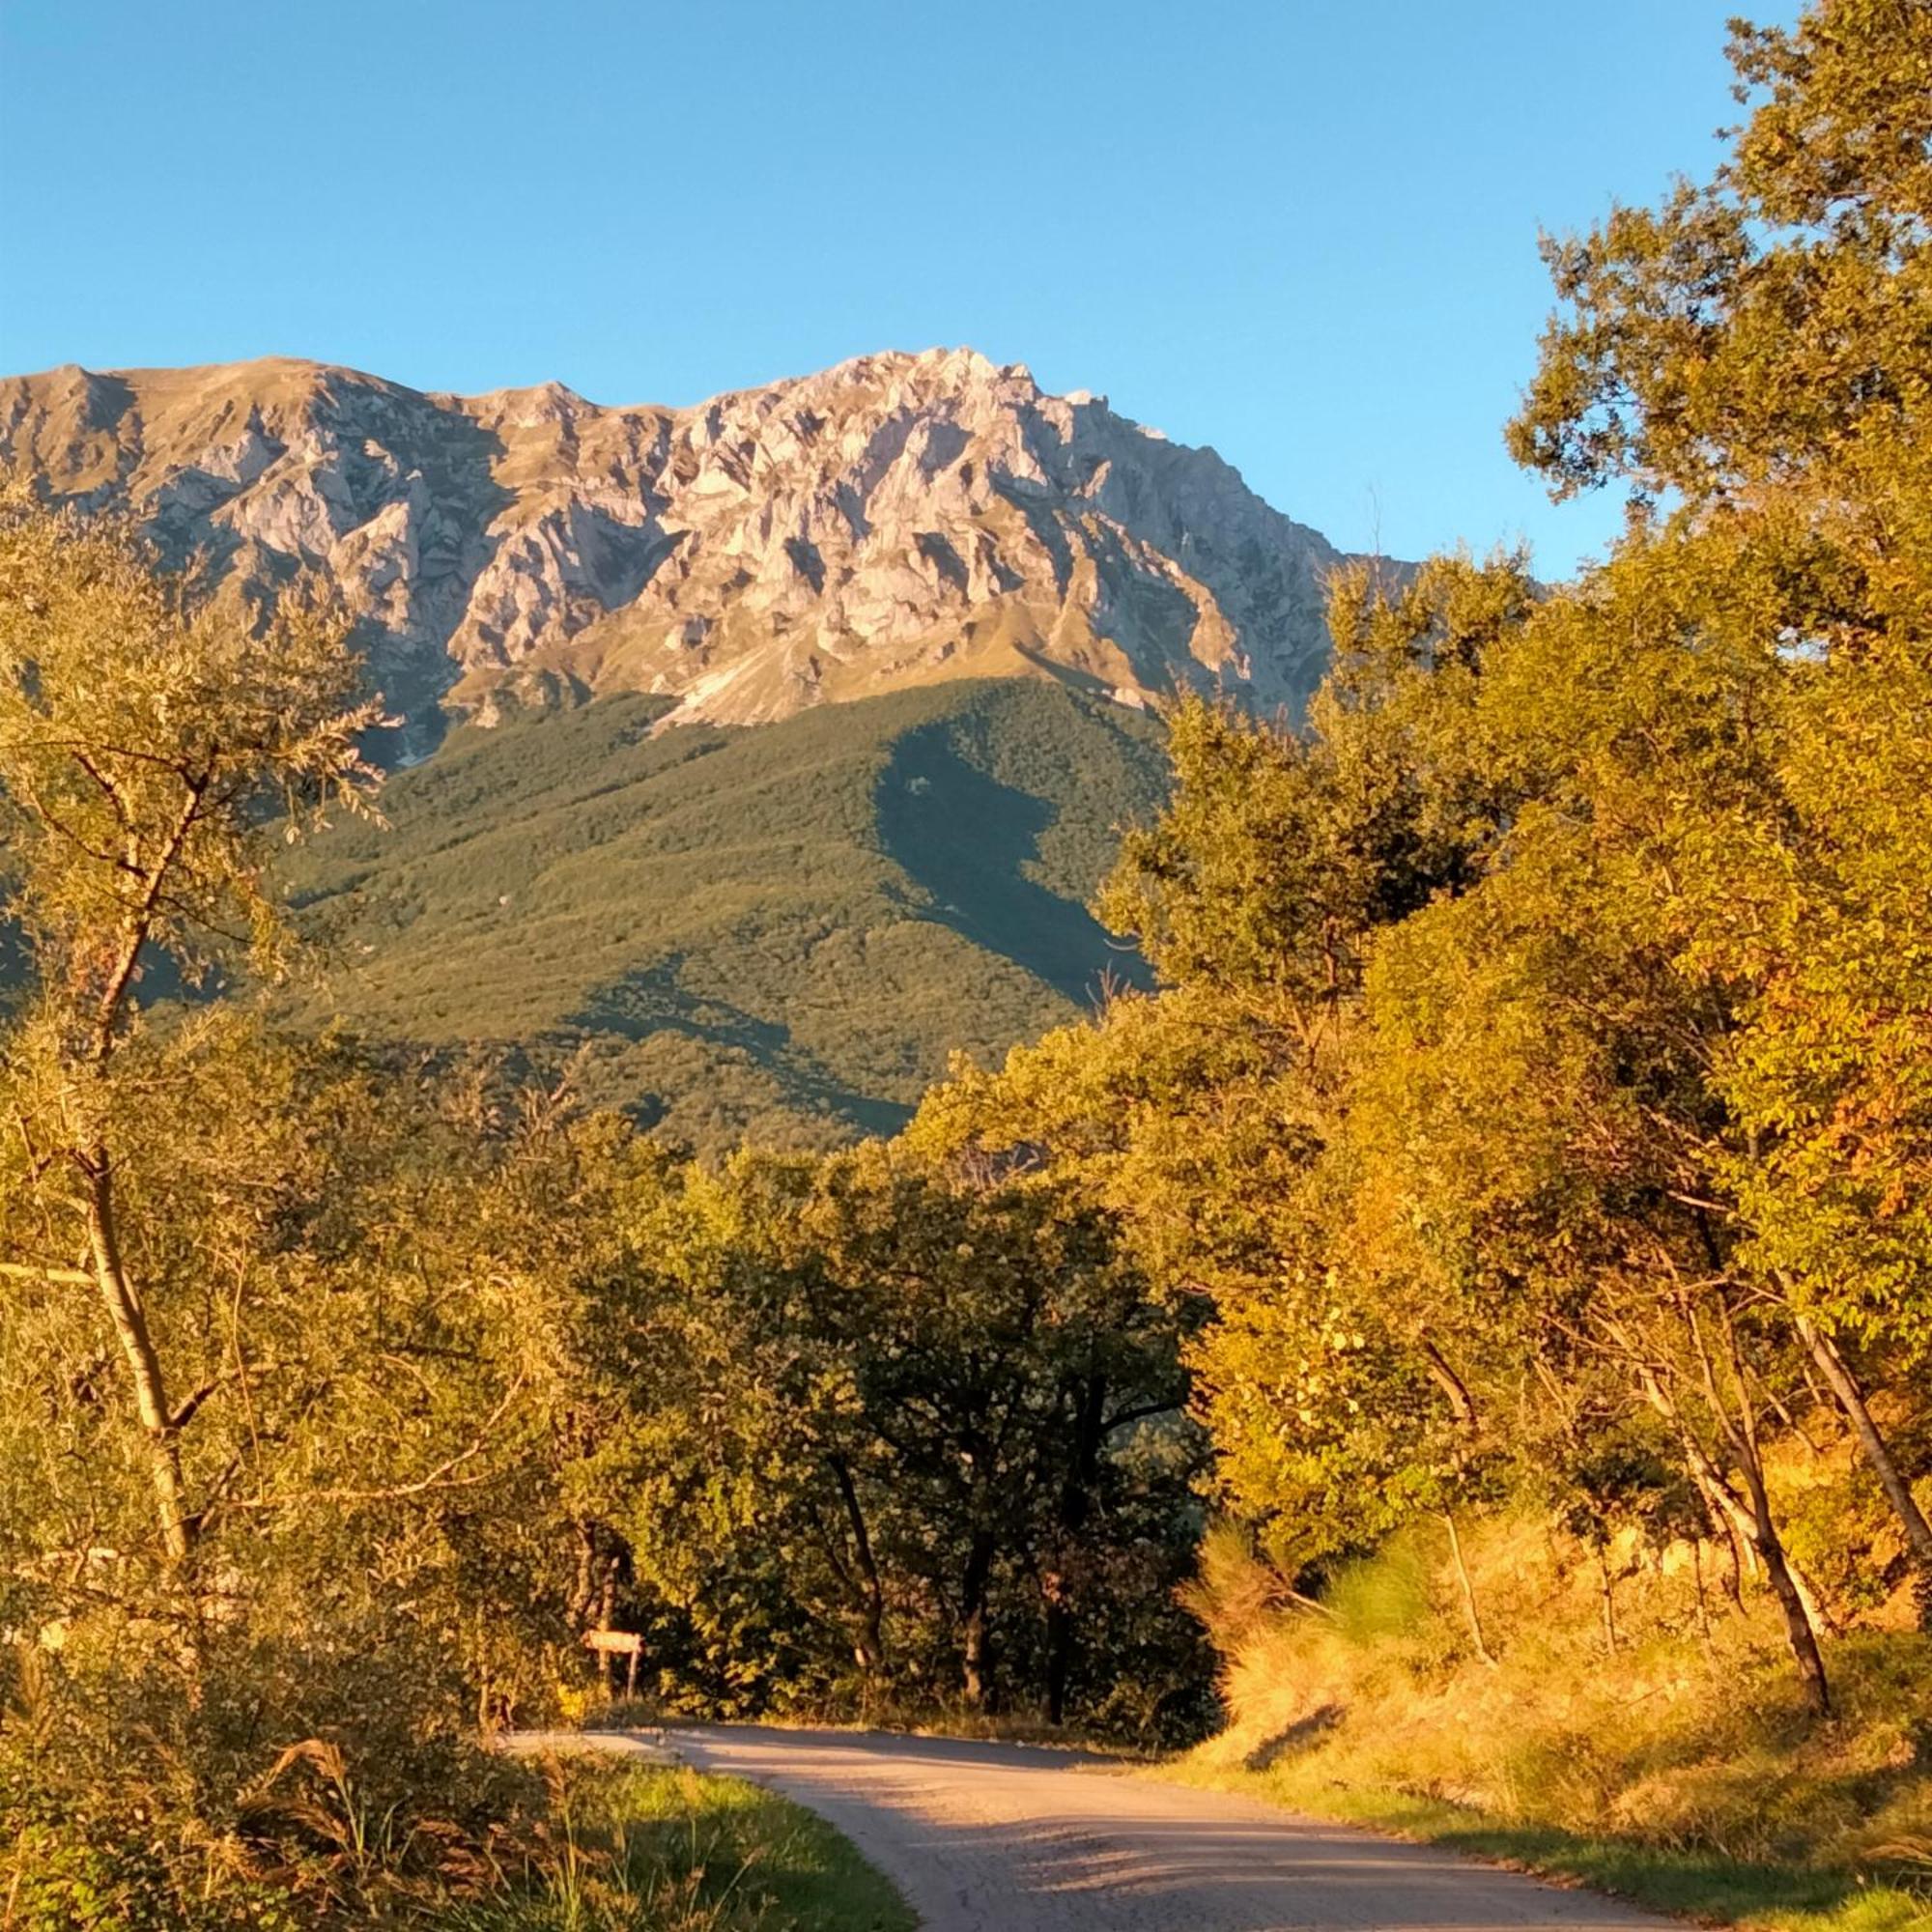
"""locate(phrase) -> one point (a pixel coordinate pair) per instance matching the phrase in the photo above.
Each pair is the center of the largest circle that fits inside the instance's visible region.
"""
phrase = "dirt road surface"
(985, 1837)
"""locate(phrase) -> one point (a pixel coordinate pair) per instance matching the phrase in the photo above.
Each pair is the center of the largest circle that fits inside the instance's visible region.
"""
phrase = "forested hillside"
(776, 933)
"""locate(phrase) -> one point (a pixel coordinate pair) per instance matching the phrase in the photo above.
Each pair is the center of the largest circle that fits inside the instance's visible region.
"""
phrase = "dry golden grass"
(1668, 1753)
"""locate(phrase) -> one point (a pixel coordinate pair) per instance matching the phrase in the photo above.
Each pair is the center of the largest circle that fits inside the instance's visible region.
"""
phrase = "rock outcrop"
(894, 521)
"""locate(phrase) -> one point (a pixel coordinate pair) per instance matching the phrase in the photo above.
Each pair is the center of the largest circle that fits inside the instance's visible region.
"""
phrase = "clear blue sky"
(1303, 231)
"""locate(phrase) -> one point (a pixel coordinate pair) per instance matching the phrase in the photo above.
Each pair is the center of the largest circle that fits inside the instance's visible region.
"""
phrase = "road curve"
(986, 1837)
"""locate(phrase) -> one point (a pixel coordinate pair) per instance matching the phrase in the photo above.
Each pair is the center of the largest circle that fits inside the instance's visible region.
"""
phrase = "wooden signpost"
(608, 1644)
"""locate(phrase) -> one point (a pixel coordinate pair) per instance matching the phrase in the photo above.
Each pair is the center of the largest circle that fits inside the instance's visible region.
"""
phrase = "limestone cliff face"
(896, 520)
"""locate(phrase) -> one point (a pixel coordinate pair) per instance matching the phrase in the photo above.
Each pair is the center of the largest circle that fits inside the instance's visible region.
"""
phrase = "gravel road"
(986, 1837)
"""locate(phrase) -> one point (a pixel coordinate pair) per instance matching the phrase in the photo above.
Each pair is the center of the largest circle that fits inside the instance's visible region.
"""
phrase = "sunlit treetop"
(1772, 326)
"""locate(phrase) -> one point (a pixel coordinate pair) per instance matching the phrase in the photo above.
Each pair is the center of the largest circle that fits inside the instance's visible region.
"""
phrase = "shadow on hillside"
(15, 960)
(653, 1000)
(1298, 1737)
(966, 838)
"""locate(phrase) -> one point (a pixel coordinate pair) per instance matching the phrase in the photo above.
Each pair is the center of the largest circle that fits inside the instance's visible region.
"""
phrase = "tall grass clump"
(669, 1850)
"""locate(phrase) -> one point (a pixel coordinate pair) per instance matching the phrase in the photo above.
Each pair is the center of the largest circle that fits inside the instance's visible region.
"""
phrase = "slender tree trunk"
(1799, 1627)
(144, 1366)
(1759, 1534)
(1756, 1524)
(1076, 1506)
(118, 1293)
(869, 1652)
(1722, 1526)
(607, 1609)
(1698, 1579)
(1802, 1618)
(975, 1632)
(584, 1588)
(1844, 1384)
(1744, 1519)
(1461, 1404)
(1610, 1600)
(1467, 1590)
(1059, 1653)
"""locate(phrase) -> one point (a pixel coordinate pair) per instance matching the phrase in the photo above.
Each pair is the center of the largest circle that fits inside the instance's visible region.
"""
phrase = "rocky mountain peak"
(899, 519)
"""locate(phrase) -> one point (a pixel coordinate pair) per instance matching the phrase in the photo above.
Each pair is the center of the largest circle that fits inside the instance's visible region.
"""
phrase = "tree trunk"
(1610, 1600)
(584, 1588)
(1058, 1656)
(1076, 1506)
(1460, 1404)
(1844, 1384)
(974, 1633)
(1467, 1590)
(1802, 1614)
(144, 1367)
(1698, 1579)
(607, 1610)
(1799, 1629)
(869, 1651)
(1721, 1524)
(1744, 1521)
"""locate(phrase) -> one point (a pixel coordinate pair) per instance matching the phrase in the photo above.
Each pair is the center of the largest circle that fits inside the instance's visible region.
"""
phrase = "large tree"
(144, 742)
(1754, 359)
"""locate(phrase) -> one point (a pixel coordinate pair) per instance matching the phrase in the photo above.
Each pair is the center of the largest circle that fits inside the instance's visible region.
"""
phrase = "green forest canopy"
(776, 933)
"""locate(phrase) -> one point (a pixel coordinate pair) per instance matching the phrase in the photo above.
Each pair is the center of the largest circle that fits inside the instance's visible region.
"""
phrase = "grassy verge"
(650, 1850)
(1677, 1769)
(1627, 1728)
(1699, 1886)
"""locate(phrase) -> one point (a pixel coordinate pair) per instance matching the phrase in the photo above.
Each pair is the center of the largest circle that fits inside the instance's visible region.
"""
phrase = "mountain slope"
(896, 520)
(941, 598)
(781, 931)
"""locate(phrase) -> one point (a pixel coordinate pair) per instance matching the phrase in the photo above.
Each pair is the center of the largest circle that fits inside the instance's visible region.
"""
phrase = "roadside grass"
(672, 1850)
(1688, 1885)
(1626, 1726)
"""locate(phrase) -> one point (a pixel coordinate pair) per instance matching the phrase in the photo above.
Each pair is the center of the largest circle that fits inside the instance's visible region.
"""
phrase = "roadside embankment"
(1632, 1725)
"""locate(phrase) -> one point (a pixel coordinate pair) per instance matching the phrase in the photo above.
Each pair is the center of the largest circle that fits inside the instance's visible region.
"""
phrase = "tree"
(909, 1417)
(141, 742)
(1002, 1346)
(1759, 344)
(255, 1383)
(1758, 350)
